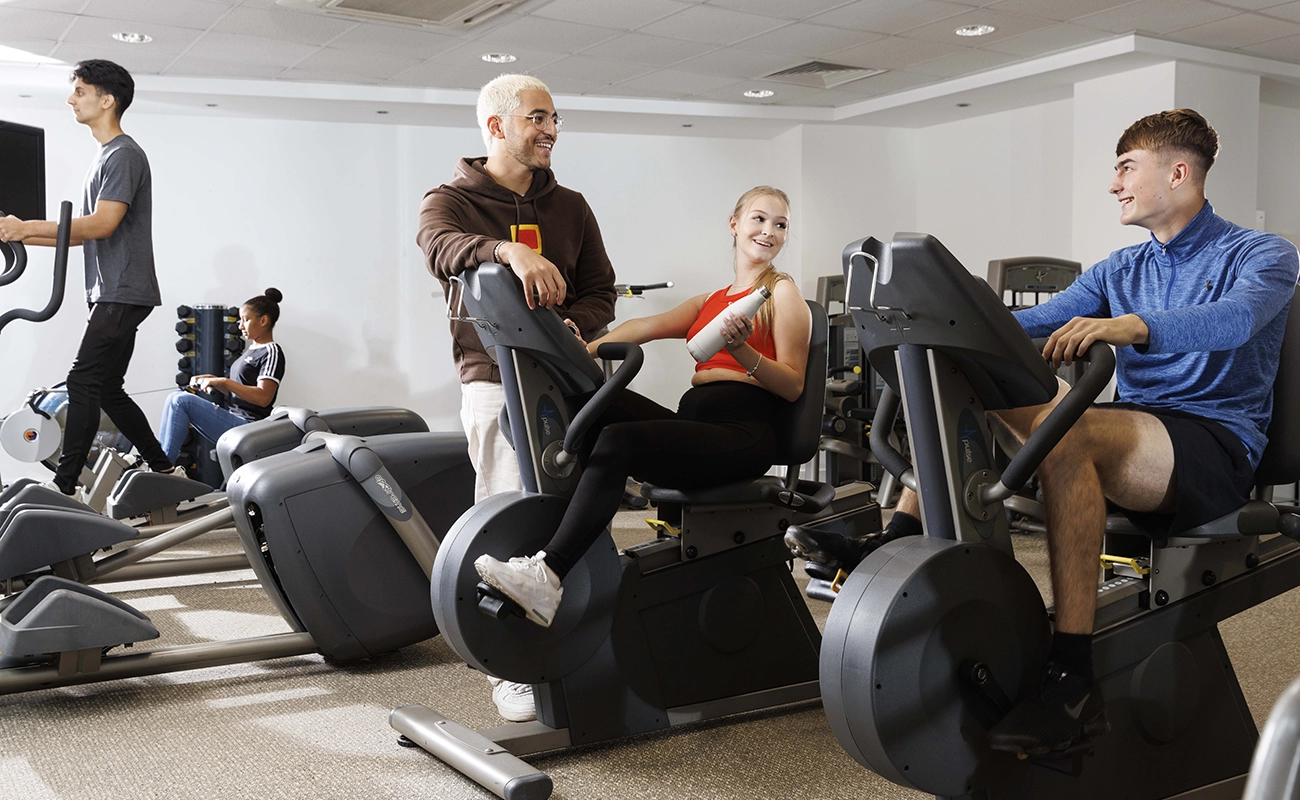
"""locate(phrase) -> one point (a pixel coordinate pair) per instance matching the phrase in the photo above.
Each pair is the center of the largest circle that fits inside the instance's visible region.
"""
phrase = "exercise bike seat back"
(798, 435)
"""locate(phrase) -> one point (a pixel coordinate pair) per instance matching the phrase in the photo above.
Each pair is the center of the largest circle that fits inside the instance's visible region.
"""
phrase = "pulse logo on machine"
(387, 496)
(549, 422)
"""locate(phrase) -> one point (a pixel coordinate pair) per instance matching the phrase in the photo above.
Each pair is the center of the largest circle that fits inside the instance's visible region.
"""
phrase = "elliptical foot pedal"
(493, 602)
(1067, 762)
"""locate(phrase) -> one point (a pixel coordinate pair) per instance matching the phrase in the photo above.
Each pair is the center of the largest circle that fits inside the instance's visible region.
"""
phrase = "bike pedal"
(494, 603)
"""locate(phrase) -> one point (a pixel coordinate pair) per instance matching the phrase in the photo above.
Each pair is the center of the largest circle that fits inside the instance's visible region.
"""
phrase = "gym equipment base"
(491, 757)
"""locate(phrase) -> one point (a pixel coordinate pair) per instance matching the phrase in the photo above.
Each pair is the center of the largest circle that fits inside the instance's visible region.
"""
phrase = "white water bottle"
(710, 339)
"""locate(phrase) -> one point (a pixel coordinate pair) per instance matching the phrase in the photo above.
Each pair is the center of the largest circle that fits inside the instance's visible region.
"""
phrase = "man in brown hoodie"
(507, 208)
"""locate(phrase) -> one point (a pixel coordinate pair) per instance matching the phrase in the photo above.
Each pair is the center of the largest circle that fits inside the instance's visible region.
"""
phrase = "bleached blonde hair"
(500, 96)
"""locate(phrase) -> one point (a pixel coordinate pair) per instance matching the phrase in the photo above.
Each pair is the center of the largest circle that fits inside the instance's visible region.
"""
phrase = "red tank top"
(761, 340)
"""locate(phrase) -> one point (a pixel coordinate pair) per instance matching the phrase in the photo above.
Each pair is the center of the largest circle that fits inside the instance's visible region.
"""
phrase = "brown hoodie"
(462, 222)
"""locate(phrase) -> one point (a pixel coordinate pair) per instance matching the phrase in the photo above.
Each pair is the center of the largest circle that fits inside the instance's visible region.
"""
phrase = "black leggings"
(722, 432)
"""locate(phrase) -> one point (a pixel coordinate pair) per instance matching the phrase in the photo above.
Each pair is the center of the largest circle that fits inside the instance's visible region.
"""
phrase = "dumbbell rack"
(209, 343)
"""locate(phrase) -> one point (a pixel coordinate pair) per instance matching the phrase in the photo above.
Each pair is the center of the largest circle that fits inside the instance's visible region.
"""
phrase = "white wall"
(1279, 169)
(999, 185)
(857, 182)
(327, 213)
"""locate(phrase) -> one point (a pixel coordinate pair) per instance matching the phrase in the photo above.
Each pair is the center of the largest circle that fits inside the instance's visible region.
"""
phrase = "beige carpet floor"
(302, 728)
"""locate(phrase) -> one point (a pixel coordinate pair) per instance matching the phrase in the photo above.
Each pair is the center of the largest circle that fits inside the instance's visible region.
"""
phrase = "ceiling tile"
(735, 93)
(563, 86)
(250, 49)
(99, 32)
(1252, 5)
(586, 67)
(624, 16)
(20, 23)
(219, 68)
(739, 63)
(1060, 10)
(782, 9)
(36, 47)
(1156, 16)
(395, 41)
(470, 56)
(447, 76)
(1007, 25)
(886, 83)
(1238, 31)
(62, 6)
(343, 64)
(275, 23)
(133, 59)
(655, 93)
(176, 13)
(804, 39)
(710, 24)
(554, 35)
(678, 81)
(1047, 40)
(895, 52)
(966, 63)
(889, 16)
(1289, 11)
(1287, 49)
(654, 50)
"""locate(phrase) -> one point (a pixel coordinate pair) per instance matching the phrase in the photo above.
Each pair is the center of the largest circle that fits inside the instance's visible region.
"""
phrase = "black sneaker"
(1064, 712)
(830, 549)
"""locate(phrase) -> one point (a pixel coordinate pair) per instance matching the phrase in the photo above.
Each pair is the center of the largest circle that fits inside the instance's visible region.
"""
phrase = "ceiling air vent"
(822, 74)
(434, 13)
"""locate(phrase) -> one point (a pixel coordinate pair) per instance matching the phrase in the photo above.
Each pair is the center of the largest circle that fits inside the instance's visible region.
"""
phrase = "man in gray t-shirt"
(115, 229)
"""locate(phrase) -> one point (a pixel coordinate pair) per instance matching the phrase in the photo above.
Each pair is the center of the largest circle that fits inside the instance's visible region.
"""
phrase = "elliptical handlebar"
(15, 255)
(63, 242)
(632, 357)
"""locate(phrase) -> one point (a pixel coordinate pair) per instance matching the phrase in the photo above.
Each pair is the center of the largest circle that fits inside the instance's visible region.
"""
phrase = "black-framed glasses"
(540, 120)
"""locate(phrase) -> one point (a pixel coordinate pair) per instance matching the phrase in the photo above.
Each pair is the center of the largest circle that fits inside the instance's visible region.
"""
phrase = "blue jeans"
(183, 410)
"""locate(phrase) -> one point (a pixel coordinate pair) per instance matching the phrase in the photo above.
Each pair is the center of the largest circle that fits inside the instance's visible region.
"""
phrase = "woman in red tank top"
(724, 427)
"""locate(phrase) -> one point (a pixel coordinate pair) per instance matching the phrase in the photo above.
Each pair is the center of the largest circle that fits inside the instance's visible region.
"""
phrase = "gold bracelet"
(750, 372)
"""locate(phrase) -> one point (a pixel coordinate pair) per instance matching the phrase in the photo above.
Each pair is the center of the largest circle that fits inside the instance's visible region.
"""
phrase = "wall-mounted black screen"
(22, 170)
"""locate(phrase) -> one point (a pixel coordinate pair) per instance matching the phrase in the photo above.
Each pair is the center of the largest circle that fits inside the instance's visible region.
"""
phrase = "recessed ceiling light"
(498, 58)
(963, 105)
(25, 96)
(131, 37)
(974, 30)
(212, 105)
(688, 125)
(381, 112)
(759, 94)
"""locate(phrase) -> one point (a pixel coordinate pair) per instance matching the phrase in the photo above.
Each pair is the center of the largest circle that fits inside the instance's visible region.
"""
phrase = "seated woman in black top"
(247, 395)
(724, 427)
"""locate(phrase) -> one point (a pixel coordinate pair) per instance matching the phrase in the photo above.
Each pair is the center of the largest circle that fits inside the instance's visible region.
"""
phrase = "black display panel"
(22, 170)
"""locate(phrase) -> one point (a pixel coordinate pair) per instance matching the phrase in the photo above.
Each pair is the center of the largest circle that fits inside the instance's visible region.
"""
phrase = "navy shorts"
(1212, 472)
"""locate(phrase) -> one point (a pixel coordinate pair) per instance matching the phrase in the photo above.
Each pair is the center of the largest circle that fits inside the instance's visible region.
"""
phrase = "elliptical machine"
(933, 639)
(703, 621)
(349, 587)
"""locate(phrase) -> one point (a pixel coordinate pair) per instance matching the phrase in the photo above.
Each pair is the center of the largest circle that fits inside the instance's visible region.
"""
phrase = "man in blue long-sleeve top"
(1196, 314)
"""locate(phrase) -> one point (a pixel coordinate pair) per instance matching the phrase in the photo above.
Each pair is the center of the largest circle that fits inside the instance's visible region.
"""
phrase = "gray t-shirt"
(120, 269)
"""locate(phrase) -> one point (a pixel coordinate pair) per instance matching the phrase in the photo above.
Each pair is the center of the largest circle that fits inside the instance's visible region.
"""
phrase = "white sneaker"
(78, 494)
(514, 700)
(175, 471)
(526, 580)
